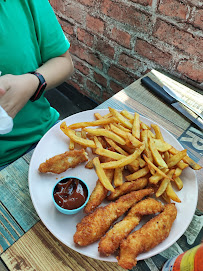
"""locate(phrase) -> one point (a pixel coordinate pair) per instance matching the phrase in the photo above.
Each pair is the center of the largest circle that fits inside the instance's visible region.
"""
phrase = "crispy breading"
(127, 187)
(95, 225)
(99, 193)
(61, 162)
(150, 235)
(111, 241)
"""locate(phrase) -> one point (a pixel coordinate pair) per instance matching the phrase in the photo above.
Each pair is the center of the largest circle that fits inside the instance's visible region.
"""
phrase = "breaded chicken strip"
(111, 241)
(95, 225)
(127, 187)
(100, 192)
(150, 235)
(61, 162)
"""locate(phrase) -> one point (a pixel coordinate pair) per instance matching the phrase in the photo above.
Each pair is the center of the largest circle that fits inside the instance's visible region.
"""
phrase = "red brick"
(95, 90)
(85, 37)
(121, 37)
(58, 5)
(77, 77)
(74, 84)
(81, 67)
(85, 54)
(129, 62)
(115, 87)
(198, 19)
(100, 79)
(74, 11)
(121, 76)
(173, 8)
(105, 49)
(66, 26)
(191, 69)
(143, 2)
(196, 3)
(126, 14)
(179, 38)
(151, 52)
(89, 3)
(96, 25)
(105, 95)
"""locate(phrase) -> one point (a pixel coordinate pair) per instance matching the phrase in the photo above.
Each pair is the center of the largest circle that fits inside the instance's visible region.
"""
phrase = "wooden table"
(26, 244)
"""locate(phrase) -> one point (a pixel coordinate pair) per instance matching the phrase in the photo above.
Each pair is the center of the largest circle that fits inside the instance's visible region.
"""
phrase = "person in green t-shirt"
(31, 39)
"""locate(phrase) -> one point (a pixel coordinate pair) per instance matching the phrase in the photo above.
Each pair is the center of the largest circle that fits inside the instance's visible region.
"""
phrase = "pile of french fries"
(136, 150)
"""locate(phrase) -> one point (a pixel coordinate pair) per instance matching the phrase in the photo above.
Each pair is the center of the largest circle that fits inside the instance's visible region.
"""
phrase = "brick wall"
(114, 42)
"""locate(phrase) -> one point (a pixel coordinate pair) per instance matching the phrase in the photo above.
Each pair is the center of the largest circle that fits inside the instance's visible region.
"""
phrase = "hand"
(15, 91)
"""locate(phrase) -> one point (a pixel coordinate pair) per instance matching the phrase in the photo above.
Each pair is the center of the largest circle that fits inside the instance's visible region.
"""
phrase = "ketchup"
(70, 193)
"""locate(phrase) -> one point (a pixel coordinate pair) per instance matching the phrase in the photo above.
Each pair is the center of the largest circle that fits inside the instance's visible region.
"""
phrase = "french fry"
(71, 145)
(178, 183)
(178, 172)
(142, 163)
(157, 131)
(176, 158)
(187, 160)
(157, 177)
(138, 174)
(106, 133)
(115, 146)
(144, 126)
(156, 155)
(171, 193)
(71, 134)
(110, 154)
(127, 114)
(182, 165)
(124, 161)
(166, 197)
(156, 168)
(161, 145)
(120, 118)
(98, 116)
(99, 122)
(136, 126)
(98, 143)
(118, 176)
(164, 184)
(89, 164)
(134, 141)
(122, 127)
(118, 131)
(102, 175)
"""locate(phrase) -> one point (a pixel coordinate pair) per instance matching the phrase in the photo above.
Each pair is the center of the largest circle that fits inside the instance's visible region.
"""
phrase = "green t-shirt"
(29, 36)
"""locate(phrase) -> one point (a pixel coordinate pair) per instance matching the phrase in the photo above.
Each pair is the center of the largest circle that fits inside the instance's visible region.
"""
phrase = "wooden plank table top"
(26, 244)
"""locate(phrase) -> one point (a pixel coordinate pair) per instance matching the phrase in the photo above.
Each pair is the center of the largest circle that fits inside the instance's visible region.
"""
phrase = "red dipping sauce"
(70, 193)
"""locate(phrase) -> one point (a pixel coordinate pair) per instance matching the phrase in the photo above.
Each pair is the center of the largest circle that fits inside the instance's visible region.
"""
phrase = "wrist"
(41, 85)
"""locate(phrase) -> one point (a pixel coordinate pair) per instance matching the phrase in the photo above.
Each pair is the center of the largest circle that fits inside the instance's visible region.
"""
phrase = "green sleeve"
(52, 41)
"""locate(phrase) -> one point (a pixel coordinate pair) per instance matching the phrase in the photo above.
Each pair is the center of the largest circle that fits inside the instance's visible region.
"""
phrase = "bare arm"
(20, 88)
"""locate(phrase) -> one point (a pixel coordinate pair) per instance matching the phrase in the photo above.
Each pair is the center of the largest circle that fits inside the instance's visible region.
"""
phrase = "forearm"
(16, 90)
(57, 70)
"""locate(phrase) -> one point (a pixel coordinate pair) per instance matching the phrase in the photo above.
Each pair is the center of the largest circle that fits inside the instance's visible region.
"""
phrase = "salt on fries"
(131, 144)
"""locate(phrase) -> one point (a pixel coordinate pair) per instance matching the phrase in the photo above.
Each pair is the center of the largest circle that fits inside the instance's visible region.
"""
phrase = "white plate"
(62, 226)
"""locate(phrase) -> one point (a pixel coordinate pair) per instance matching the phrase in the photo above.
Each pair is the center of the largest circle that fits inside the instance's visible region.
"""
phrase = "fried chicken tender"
(61, 162)
(150, 235)
(99, 193)
(95, 225)
(127, 187)
(111, 241)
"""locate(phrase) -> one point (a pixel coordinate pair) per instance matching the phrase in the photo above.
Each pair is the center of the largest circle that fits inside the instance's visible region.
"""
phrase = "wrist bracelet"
(41, 87)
